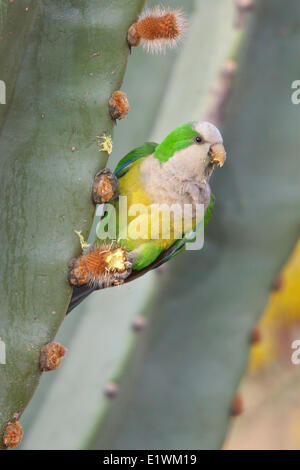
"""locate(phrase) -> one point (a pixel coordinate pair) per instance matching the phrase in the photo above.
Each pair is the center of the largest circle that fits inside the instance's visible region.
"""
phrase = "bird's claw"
(120, 276)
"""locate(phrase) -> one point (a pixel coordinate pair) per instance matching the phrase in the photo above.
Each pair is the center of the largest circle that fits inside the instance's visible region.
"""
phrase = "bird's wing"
(125, 163)
(80, 293)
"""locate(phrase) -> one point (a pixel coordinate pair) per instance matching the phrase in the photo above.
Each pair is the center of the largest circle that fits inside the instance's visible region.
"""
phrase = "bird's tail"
(79, 294)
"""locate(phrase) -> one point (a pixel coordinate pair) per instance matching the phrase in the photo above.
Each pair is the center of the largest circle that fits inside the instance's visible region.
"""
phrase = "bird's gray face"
(208, 148)
(197, 161)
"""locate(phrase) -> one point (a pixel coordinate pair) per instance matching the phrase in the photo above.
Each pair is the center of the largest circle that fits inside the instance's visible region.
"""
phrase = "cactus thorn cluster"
(256, 335)
(118, 105)
(139, 323)
(51, 356)
(111, 389)
(277, 283)
(157, 29)
(243, 8)
(237, 406)
(13, 435)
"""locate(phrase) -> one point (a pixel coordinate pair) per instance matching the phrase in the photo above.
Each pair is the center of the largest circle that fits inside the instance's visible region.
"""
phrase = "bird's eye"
(198, 139)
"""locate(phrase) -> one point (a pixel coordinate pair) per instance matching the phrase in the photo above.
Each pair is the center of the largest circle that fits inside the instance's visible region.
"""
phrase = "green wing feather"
(125, 163)
(124, 166)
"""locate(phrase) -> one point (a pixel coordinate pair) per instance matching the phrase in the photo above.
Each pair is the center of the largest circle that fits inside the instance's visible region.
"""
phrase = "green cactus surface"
(60, 62)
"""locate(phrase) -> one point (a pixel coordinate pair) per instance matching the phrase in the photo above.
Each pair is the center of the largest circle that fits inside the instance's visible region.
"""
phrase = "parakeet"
(173, 174)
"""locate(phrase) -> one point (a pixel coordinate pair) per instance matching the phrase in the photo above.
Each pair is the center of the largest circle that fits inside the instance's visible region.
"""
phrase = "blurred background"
(156, 364)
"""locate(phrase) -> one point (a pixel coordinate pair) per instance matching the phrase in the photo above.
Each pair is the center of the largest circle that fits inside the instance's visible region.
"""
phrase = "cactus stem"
(51, 356)
(13, 434)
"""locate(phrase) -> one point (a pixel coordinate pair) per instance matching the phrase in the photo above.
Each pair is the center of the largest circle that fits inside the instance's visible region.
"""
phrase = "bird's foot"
(104, 187)
(102, 267)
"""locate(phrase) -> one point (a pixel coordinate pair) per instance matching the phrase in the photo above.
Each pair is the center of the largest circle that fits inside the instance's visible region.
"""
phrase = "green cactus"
(61, 62)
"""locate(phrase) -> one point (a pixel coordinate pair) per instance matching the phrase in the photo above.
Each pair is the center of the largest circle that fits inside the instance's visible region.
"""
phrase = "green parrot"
(171, 177)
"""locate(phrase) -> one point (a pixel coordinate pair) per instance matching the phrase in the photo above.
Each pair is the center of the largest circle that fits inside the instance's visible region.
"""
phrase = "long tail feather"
(79, 294)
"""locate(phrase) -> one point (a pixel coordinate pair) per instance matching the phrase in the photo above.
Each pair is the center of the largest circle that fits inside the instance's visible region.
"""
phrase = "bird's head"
(209, 137)
(193, 149)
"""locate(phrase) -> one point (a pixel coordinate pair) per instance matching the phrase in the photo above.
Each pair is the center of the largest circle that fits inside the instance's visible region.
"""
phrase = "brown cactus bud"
(118, 105)
(139, 322)
(157, 29)
(245, 5)
(277, 283)
(256, 335)
(102, 266)
(236, 405)
(229, 68)
(243, 8)
(133, 37)
(111, 389)
(51, 356)
(13, 434)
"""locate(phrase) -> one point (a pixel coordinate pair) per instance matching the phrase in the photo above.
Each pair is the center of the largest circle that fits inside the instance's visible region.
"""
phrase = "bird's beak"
(217, 154)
